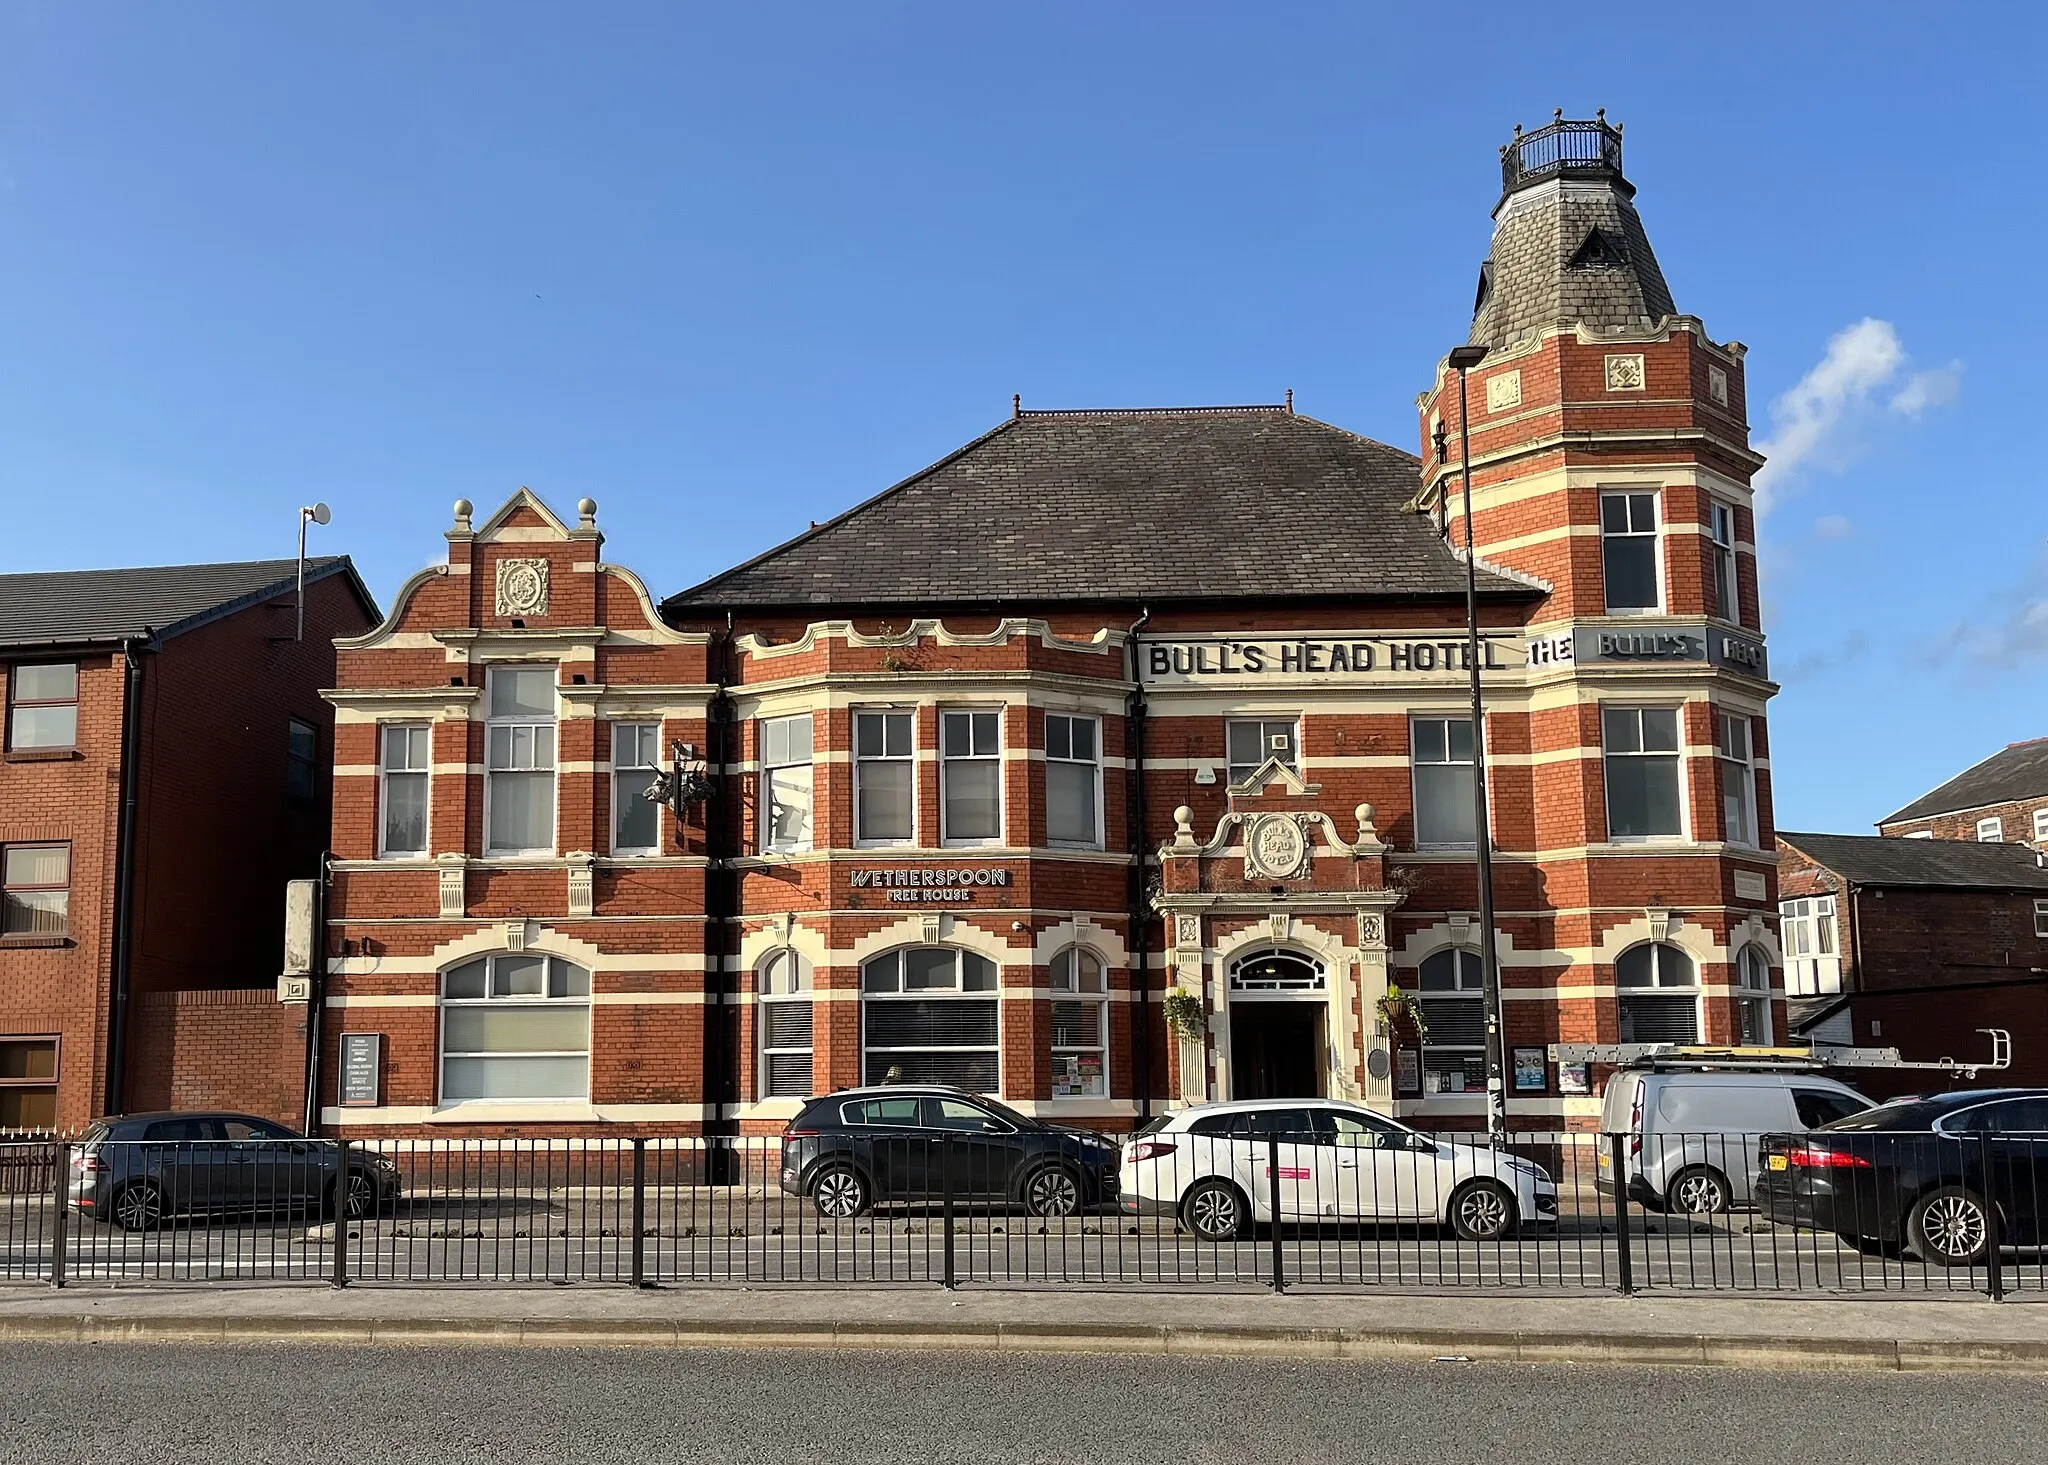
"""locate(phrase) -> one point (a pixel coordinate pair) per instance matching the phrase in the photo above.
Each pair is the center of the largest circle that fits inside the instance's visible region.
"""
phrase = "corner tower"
(1610, 460)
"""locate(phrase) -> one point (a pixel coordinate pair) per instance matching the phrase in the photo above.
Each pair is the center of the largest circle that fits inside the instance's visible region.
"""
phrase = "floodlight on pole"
(311, 514)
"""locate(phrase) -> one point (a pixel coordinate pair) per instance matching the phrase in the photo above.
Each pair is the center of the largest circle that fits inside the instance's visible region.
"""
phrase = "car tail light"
(1635, 1121)
(88, 1162)
(1151, 1149)
(1813, 1157)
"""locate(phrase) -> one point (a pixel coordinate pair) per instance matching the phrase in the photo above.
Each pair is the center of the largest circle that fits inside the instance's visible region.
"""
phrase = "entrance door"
(1276, 1050)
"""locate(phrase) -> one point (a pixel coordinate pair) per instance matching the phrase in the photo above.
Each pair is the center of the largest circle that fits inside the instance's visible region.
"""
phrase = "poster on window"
(1076, 1075)
(1571, 1079)
(1532, 1072)
(1408, 1071)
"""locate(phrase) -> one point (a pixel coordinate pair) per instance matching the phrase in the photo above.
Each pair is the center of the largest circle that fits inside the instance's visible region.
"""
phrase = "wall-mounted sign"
(362, 1066)
(1749, 885)
(1532, 1070)
(932, 885)
(1606, 645)
(1196, 661)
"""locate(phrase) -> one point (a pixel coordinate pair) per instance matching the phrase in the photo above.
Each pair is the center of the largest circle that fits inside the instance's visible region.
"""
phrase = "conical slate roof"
(1568, 246)
(1142, 505)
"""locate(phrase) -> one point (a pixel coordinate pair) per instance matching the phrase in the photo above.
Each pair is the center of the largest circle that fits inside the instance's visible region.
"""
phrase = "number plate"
(1775, 1162)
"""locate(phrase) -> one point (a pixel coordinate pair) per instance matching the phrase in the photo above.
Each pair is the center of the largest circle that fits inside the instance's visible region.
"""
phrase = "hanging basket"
(1184, 1015)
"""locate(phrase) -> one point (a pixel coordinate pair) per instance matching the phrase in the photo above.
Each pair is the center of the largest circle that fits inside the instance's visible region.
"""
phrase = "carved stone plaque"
(522, 587)
(1275, 848)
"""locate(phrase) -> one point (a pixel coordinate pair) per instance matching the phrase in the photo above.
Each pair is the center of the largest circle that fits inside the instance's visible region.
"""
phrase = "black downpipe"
(316, 1000)
(124, 883)
(1140, 917)
(721, 904)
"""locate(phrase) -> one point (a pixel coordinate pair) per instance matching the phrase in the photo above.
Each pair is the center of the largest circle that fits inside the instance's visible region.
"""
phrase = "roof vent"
(1485, 290)
(1598, 250)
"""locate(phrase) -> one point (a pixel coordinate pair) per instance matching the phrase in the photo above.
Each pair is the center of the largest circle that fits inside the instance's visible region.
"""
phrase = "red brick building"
(1917, 944)
(2003, 798)
(1102, 707)
(165, 772)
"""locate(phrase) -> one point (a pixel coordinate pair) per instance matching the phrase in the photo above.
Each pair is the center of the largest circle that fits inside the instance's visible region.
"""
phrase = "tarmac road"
(252, 1405)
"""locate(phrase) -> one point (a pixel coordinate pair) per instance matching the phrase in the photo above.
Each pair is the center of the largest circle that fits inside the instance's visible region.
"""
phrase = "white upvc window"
(1658, 995)
(1643, 773)
(404, 762)
(2041, 918)
(636, 764)
(1753, 995)
(2040, 825)
(1073, 780)
(782, 986)
(1737, 760)
(515, 1026)
(884, 777)
(1722, 597)
(1441, 752)
(786, 784)
(1813, 967)
(1631, 556)
(519, 761)
(1248, 742)
(1080, 1025)
(971, 777)
(1990, 831)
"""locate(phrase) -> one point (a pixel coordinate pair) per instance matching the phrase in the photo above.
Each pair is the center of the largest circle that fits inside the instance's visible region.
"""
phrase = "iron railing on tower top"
(1562, 147)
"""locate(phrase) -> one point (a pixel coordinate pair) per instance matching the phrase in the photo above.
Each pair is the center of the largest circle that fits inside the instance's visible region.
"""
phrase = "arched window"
(929, 1015)
(1080, 1025)
(1451, 999)
(782, 985)
(515, 1026)
(1659, 995)
(1753, 994)
(1276, 971)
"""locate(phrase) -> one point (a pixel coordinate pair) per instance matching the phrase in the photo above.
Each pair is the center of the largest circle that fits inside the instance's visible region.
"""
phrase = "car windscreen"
(1010, 1115)
(1888, 1116)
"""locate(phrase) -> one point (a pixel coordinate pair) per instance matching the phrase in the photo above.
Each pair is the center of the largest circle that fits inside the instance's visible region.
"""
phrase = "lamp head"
(318, 513)
(1464, 358)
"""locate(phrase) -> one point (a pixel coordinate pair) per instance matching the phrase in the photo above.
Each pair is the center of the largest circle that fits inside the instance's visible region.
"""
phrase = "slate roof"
(1568, 251)
(2018, 771)
(77, 607)
(1142, 505)
(1869, 859)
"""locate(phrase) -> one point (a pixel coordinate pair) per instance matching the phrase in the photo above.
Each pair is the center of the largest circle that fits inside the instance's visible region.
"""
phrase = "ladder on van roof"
(1694, 1056)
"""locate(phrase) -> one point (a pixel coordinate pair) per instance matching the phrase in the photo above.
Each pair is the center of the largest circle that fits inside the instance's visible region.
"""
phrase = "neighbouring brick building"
(165, 772)
(1101, 707)
(1917, 944)
(2005, 797)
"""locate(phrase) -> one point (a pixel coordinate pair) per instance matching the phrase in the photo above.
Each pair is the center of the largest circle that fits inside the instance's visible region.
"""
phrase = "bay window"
(1721, 595)
(1813, 967)
(1737, 763)
(1753, 995)
(636, 763)
(1073, 780)
(884, 777)
(786, 783)
(1641, 763)
(519, 761)
(1629, 553)
(970, 777)
(929, 1015)
(1080, 1025)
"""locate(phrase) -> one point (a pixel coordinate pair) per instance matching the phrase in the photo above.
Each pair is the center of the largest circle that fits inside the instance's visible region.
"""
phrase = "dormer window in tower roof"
(1598, 250)
(1485, 290)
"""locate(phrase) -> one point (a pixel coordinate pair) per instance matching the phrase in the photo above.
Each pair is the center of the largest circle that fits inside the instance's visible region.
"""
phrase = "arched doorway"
(1279, 1026)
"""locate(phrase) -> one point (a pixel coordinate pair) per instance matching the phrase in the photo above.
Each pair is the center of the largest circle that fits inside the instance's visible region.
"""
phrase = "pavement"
(1874, 1333)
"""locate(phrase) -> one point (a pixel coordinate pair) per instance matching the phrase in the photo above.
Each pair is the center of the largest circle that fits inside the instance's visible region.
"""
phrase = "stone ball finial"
(1184, 822)
(1364, 814)
(463, 509)
(587, 510)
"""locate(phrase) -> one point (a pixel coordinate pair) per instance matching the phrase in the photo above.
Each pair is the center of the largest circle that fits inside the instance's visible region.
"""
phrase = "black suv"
(1915, 1175)
(860, 1148)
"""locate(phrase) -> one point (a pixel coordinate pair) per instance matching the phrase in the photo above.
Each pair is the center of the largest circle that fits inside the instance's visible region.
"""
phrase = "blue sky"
(729, 269)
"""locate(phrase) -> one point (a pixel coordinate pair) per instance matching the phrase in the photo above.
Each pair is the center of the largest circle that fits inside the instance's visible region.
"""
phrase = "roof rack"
(1780, 1060)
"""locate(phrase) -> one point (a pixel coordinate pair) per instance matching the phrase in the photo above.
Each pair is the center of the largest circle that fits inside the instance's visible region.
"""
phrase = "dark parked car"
(860, 1148)
(1919, 1175)
(137, 1170)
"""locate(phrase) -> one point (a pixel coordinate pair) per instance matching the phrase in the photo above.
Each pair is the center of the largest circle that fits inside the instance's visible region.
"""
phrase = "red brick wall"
(2016, 820)
(238, 1050)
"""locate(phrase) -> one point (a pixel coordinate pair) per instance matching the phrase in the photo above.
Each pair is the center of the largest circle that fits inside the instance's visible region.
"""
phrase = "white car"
(1209, 1167)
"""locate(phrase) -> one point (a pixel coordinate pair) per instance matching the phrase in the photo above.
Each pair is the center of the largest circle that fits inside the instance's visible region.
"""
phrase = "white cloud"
(1816, 420)
(2011, 631)
(1833, 526)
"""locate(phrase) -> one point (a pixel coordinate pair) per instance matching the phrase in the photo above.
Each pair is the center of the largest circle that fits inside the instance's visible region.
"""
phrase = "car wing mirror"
(990, 1126)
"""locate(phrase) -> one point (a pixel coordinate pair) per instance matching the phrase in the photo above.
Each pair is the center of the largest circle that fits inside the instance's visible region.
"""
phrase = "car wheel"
(358, 1199)
(1482, 1210)
(1052, 1190)
(1699, 1191)
(839, 1193)
(1950, 1227)
(1216, 1210)
(139, 1207)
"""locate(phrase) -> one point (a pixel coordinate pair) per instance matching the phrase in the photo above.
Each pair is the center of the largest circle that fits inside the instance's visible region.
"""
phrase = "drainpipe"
(1141, 918)
(316, 1000)
(721, 1058)
(124, 877)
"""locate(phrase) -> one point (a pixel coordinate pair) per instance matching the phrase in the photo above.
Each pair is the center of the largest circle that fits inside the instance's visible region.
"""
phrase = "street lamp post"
(1463, 359)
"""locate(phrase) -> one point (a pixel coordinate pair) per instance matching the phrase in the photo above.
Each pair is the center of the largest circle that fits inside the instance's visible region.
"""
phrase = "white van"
(1692, 1136)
